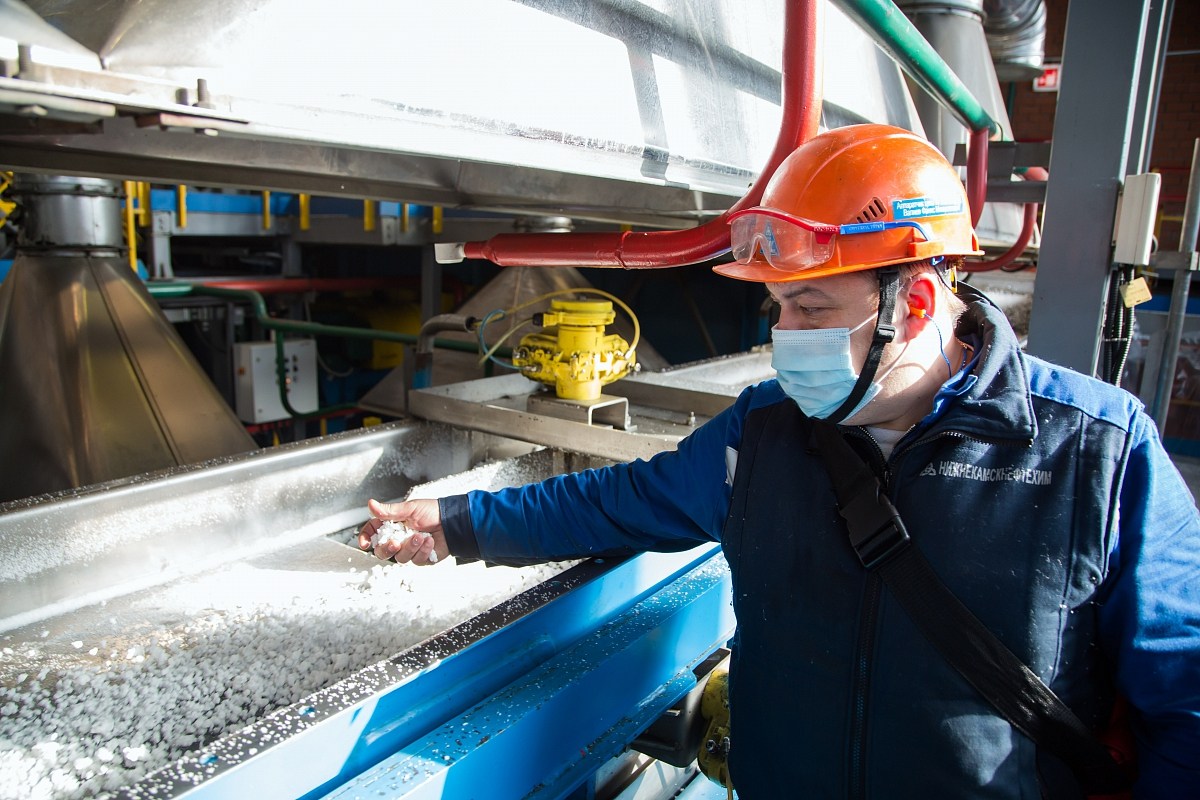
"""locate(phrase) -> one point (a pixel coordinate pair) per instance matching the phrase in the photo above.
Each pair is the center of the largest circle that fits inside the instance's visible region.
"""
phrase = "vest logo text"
(957, 469)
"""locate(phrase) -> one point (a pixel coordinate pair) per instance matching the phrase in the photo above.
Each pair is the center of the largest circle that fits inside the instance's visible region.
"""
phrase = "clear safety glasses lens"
(787, 245)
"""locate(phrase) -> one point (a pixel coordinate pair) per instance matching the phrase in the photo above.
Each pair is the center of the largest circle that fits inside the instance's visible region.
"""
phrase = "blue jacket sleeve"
(1151, 620)
(676, 500)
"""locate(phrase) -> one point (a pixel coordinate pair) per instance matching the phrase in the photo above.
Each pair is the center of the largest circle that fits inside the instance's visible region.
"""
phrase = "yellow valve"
(573, 354)
(713, 758)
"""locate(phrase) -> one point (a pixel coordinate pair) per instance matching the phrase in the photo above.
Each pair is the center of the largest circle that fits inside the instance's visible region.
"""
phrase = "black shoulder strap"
(883, 545)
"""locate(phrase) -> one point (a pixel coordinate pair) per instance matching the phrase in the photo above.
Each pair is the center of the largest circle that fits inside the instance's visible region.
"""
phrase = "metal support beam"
(1103, 55)
(431, 284)
(158, 245)
(1158, 28)
(1179, 296)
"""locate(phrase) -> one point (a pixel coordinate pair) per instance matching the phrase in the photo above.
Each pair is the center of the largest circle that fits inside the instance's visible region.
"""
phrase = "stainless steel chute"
(209, 630)
(98, 386)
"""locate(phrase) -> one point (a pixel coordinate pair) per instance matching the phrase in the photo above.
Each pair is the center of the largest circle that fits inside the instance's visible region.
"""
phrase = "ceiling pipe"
(801, 115)
(1028, 225)
(898, 37)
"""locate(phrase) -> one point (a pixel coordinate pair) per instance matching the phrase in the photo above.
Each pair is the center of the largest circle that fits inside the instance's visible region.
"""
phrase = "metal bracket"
(604, 410)
(1175, 261)
(1004, 158)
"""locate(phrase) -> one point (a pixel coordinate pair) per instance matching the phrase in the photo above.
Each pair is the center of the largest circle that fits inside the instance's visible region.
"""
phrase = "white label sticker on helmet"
(914, 207)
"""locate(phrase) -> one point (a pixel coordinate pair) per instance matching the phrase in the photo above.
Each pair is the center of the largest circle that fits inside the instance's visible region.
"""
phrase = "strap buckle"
(876, 531)
(884, 333)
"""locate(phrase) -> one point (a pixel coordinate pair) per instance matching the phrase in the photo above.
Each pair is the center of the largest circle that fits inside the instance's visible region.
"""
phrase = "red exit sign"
(1048, 80)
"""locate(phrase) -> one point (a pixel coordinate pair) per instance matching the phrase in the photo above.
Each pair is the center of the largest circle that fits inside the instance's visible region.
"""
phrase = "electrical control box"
(256, 387)
(1136, 215)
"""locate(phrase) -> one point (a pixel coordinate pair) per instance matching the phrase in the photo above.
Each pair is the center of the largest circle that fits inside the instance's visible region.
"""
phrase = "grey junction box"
(256, 387)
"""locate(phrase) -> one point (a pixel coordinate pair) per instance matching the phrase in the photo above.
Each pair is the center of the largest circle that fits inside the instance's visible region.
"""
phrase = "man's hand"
(425, 546)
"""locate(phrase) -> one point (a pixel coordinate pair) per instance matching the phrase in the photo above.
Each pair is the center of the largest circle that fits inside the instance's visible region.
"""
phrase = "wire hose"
(499, 314)
(1118, 328)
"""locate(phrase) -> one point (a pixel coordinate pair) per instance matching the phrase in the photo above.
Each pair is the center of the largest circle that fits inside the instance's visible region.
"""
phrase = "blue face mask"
(814, 369)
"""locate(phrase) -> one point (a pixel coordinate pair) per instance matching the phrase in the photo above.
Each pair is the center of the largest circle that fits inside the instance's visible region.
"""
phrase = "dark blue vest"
(840, 693)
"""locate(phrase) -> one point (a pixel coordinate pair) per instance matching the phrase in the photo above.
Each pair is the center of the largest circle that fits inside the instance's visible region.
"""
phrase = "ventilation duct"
(1016, 36)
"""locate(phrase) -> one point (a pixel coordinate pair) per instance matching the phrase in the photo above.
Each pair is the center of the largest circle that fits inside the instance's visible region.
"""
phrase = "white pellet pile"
(114, 703)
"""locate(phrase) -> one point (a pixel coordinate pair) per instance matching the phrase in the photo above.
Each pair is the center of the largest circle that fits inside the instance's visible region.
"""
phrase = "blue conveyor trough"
(539, 695)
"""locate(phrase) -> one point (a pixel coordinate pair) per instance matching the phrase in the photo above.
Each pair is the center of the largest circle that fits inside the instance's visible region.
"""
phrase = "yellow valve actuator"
(573, 354)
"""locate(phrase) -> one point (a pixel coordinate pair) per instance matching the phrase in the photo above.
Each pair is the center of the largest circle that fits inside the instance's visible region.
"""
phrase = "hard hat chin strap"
(885, 332)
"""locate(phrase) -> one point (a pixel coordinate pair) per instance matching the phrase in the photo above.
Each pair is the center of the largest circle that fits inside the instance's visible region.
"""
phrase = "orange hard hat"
(853, 198)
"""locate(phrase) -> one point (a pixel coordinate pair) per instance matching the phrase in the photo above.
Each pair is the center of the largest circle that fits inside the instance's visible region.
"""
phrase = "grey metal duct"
(655, 113)
(954, 28)
(1016, 36)
(98, 386)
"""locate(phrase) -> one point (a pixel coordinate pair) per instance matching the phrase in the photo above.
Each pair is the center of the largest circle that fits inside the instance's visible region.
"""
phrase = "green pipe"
(296, 326)
(171, 289)
(900, 39)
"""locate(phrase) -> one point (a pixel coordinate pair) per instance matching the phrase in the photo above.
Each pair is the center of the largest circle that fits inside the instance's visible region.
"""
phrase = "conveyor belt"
(208, 630)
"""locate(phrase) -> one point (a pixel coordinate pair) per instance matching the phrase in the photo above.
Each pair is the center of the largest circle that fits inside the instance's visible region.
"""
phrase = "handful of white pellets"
(392, 532)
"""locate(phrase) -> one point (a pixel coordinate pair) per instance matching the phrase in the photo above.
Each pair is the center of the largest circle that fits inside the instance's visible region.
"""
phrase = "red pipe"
(1011, 255)
(1027, 227)
(801, 115)
(282, 285)
(977, 151)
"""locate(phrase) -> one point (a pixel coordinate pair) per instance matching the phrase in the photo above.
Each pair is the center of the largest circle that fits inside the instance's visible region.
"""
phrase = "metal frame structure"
(1108, 46)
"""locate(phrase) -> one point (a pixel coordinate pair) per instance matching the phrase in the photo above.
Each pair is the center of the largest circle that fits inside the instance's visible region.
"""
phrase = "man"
(1041, 498)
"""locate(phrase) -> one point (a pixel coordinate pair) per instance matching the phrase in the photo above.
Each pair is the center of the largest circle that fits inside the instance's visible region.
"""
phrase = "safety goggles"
(793, 244)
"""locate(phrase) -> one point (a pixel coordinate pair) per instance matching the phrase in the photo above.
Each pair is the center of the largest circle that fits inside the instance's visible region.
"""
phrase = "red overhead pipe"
(977, 150)
(1027, 227)
(801, 114)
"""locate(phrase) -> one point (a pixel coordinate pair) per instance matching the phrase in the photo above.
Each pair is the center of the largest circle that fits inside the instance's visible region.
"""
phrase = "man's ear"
(921, 297)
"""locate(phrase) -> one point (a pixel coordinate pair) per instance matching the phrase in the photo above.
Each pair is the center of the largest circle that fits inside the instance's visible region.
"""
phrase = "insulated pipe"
(977, 149)
(900, 39)
(801, 107)
(314, 329)
(255, 299)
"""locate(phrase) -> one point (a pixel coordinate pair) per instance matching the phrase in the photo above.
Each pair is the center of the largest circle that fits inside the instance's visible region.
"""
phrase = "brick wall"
(1178, 123)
